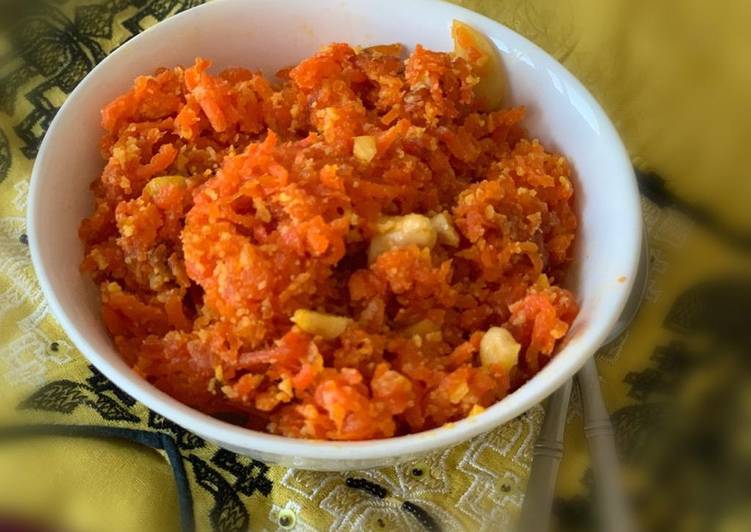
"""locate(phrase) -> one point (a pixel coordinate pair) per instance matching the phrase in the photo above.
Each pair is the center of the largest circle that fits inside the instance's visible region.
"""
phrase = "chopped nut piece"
(444, 227)
(156, 183)
(482, 55)
(498, 346)
(402, 231)
(365, 148)
(321, 324)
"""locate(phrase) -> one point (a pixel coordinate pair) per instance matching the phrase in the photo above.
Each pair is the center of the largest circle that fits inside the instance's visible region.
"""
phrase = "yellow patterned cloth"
(675, 77)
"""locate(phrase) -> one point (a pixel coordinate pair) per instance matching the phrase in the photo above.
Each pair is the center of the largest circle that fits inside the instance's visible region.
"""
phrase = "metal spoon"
(612, 509)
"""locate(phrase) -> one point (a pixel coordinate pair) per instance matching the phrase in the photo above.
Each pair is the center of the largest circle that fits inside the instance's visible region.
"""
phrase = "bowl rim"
(514, 404)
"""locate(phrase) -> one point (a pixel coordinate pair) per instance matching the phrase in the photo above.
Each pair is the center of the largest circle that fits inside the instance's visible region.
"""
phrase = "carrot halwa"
(361, 249)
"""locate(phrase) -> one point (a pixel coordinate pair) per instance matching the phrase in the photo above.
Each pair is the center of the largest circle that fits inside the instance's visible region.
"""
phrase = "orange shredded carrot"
(228, 202)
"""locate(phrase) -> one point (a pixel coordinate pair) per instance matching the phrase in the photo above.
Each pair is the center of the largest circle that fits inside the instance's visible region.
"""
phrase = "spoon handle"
(611, 504)
(546, 458)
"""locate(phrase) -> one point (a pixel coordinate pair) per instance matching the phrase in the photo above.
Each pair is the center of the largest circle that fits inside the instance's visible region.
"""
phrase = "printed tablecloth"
(77, 452)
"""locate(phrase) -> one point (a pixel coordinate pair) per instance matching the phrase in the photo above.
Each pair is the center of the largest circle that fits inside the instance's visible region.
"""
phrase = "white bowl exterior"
(269, 34)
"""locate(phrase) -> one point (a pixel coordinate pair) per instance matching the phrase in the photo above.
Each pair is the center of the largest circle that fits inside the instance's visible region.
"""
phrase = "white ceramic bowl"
(269, 34)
